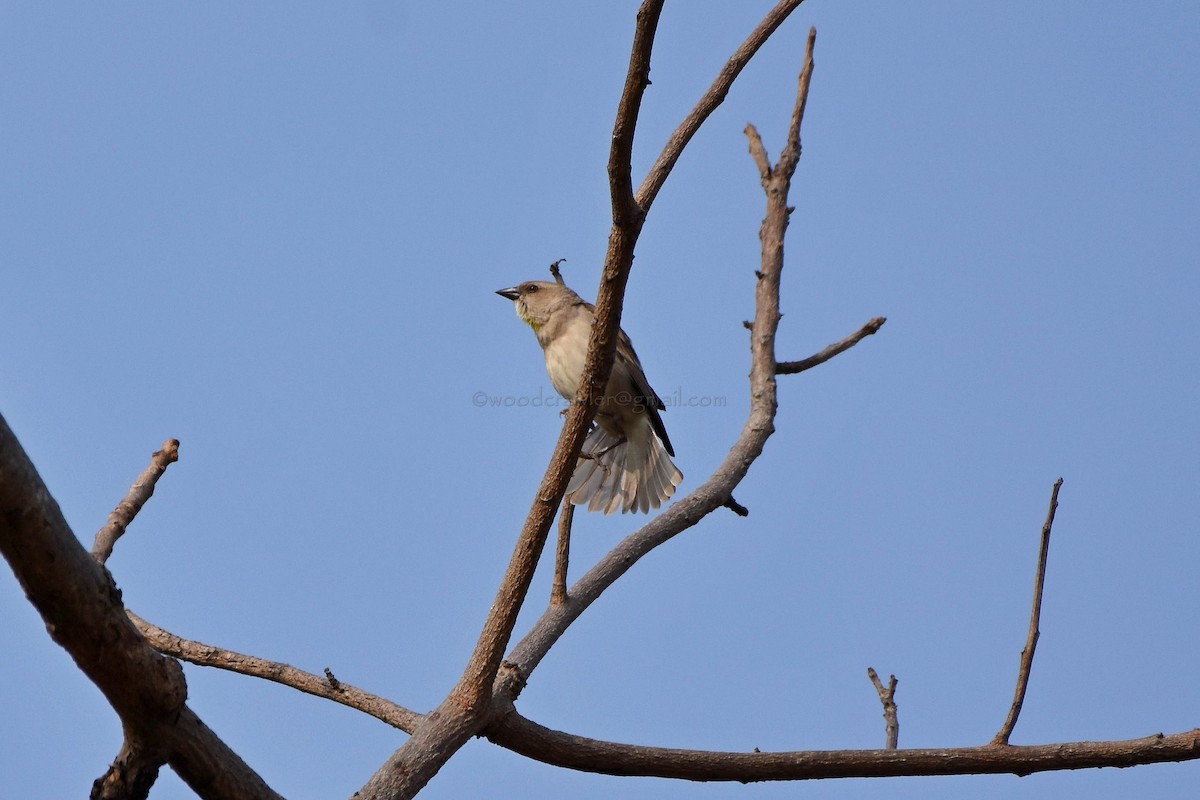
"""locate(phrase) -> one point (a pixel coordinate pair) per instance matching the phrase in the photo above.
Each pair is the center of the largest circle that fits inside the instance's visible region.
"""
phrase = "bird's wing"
(654, 404)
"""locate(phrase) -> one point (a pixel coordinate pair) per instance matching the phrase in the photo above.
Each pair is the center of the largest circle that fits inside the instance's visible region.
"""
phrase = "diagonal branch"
(485, 662)
(463, 713)
(1035, 616)
(139, 493)
(205, 655)
(83, 612)
(711, 100)
(792, 367)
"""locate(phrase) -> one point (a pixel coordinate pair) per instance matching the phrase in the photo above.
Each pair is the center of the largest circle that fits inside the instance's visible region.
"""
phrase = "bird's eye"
(531, 288)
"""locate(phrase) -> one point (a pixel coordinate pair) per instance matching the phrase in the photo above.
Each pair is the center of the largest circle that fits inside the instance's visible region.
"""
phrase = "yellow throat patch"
(527, 319)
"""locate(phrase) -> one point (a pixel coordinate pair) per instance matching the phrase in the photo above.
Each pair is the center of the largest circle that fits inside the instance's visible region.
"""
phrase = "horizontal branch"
(792, 367)
(526, 737)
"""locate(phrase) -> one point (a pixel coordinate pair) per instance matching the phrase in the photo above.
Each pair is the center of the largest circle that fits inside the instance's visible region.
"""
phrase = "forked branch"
(717, 491)
(83, 612)
(711, 100)
(463, 713)
(887, 696)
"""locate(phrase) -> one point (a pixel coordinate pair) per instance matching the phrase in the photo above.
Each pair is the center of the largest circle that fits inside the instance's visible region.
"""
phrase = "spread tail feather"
(622, 474)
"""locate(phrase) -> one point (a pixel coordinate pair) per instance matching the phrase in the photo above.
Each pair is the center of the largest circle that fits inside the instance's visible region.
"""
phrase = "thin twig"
(792, 367)
(887, 696)
(1014, 711)
(558, 590)
(758, 152)
(556, 272)
(139, 493)
(791, 152)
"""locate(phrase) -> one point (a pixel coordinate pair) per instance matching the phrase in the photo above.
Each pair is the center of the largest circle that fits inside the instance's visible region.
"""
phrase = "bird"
(625, 463)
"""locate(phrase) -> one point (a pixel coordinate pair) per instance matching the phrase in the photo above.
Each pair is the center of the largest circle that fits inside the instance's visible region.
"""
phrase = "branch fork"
(84, 613)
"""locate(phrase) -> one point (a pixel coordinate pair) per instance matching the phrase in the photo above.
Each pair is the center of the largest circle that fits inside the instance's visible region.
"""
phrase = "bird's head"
(535, 301)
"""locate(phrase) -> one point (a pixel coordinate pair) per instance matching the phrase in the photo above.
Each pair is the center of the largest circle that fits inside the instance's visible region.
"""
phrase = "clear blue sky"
(273, 231)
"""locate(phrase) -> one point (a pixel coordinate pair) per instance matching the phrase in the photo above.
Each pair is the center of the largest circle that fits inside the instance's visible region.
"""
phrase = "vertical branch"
(887, 696)
(1031, 640)
(558, 591)
(627, 214)
(776, 182)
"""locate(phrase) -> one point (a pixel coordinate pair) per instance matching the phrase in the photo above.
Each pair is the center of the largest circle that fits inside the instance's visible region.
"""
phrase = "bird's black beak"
(511, 294)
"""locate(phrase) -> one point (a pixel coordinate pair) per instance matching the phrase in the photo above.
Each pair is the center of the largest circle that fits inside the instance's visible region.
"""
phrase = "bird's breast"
(565, 354)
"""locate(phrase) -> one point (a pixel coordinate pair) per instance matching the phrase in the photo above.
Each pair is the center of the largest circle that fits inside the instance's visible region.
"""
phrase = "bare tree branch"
(792, 367)
(790, 157)
(131, 775)
(591, 755)
(887, 696)
(444, 730)
(711, 100)
(135, 769)
(627, 212)
(760, 424)
(558, 590)
(205, 655)
(83, 612)
(761, 160)
(83, 609)
(139, 493)
(1035, 616)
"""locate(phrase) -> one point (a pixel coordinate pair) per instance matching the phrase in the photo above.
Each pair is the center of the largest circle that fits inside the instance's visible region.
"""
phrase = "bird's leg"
(612, 446)
(596, 457)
